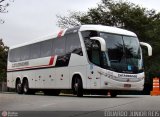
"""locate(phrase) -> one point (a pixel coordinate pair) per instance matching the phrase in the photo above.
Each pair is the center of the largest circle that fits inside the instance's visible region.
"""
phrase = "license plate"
(127, 85)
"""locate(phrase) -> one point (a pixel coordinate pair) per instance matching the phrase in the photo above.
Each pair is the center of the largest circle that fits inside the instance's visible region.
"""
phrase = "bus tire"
(26, 87)
(78, 87)
(19, 88)
(113, 94)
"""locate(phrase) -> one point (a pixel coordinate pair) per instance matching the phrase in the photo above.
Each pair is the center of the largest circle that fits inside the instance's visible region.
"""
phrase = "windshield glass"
(124, 53)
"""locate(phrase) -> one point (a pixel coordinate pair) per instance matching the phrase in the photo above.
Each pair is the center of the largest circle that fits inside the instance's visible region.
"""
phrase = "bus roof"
(35, 40)
(100, 28)
(108, 29)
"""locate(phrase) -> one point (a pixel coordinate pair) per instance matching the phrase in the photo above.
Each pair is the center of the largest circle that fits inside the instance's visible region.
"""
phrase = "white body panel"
(62, 78)
(93, 79)
(106, 79)
(10, 82)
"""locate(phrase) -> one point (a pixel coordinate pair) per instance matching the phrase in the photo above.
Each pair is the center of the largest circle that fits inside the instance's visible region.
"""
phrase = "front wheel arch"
(74, 77)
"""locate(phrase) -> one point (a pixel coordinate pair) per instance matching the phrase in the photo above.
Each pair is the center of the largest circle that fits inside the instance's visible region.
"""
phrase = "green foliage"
(3, 60)
(145, 23)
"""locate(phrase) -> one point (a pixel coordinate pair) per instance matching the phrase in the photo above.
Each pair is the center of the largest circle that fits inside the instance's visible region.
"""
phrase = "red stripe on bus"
(40, 66)
(51, 60)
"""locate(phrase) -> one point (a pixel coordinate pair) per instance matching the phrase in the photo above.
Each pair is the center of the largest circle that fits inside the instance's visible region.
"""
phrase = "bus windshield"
(124, 53)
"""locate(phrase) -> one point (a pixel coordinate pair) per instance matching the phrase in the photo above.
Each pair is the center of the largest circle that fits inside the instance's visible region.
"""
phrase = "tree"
(3, 49)
(120, 14)
(3, 7)
(3, 60)
(145, 23)
(69, 21)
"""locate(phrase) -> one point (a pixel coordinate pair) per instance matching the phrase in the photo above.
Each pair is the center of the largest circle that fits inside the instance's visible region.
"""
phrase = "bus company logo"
(4, 113)
(127, 75)
(26, 63)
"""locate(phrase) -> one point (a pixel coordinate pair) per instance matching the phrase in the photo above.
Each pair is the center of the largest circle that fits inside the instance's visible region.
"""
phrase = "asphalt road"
(74, 106)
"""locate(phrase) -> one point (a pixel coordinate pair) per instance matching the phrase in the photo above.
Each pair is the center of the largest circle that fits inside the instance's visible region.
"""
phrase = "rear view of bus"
(92, 58)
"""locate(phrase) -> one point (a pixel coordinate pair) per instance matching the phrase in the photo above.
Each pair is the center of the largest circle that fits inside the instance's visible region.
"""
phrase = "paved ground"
(85, 106)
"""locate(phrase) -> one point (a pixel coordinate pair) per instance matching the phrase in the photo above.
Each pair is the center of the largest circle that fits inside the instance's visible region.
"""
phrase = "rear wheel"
(26, 89)
(19, 88)
(78, 87)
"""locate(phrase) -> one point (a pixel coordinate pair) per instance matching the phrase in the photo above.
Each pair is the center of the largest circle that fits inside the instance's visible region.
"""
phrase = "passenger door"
(94, 56)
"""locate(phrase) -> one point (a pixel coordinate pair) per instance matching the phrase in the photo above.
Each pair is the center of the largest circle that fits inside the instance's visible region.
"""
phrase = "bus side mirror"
(102, 43)
(148, 46)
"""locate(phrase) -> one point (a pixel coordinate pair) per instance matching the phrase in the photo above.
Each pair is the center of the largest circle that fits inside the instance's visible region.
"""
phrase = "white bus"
(84, 58)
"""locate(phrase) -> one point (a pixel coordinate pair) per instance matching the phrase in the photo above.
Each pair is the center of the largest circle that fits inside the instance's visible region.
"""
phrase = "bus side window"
(92, 47)
(16, 55)
(95, 53)
(12, 55)
(59, 46)
(73, 44)
(25, 51)
(35, 51)
(46, 48)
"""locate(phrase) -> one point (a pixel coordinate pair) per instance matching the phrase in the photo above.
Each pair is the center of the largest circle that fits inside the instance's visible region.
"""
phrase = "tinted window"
(92, 47)
(115, 46)
(46, 48)
(73, 44)
(12, 55)
(131, 46)
(124, 53)
(89, 34)
(15, 55)
(95, 57)
(25, 52)
(59, 46)
(35, 51)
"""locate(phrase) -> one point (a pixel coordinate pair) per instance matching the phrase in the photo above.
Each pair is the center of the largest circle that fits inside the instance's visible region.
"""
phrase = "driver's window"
(92, 47)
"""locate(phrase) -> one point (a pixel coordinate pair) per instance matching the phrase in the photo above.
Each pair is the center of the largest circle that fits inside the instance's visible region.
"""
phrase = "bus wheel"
(19, 88)
(77, 87)
(113, 94)
(25, 87)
